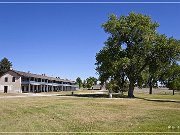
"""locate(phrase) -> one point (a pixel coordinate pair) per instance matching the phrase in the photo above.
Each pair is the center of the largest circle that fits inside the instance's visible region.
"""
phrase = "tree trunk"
(110, 95)
(131, 90)
(150, 86)
(150, 89)
(173, 92)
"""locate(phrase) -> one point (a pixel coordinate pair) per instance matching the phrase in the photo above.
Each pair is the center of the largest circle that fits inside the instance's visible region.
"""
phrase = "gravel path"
(29, 95)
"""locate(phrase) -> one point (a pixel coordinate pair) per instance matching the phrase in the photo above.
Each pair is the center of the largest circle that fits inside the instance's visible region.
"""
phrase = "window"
(6, 79)
(13, 79)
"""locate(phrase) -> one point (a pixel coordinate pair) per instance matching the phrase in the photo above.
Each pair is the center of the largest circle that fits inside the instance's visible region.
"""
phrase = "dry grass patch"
(86, 114)
(10, 94)
(70, 92)
(158, 96)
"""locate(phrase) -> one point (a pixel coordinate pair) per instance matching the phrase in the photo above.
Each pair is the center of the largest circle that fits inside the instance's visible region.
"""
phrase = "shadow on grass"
(116, 95)
(159, 100)
(96, 95)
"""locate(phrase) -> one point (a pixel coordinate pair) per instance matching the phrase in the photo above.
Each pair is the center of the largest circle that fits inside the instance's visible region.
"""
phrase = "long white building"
(23, 82)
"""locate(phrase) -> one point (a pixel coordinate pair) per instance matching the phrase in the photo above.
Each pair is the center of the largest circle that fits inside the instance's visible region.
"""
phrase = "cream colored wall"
(13, 87)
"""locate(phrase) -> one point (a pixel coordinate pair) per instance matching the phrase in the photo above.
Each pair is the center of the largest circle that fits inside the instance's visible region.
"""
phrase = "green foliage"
(84, 84)
(5, 65)
(136, 32)
(174, 84)
(164, 52)
(132, 47)
(90, 82)
(113, 86)
(79, 82)
(171, 77)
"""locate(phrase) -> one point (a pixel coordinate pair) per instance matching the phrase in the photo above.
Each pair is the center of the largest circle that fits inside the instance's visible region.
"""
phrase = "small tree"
(5, 65)
(84, 84)
(174, 85)
(171, 77)
(112, 86)
(79, 82)
(94, 80)
(90, 82)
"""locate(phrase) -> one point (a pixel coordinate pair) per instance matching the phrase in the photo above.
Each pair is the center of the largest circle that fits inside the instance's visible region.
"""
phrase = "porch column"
(29, 87)
(41, 85)
(47, 86)
(52, 89)
(62, 87)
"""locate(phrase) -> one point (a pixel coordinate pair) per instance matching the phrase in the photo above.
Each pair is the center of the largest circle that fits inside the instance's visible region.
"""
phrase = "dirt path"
(29, 95)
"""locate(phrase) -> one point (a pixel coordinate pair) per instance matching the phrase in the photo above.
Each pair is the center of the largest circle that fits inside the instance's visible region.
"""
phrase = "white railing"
(45, 83)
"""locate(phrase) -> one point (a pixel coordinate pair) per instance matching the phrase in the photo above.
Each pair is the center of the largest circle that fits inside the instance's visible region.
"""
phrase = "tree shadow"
(159, 100)
(96, 95)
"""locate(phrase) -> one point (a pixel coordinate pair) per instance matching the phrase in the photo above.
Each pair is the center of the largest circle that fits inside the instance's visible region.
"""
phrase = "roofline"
(8, 71)
(15, 71)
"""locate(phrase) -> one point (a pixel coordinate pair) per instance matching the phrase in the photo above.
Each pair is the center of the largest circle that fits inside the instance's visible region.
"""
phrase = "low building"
(24, 82)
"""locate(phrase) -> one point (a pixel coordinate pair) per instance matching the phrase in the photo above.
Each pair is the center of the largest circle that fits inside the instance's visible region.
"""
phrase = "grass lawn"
(9, 94)
(158, 96)
(70, 92)
(72, 114)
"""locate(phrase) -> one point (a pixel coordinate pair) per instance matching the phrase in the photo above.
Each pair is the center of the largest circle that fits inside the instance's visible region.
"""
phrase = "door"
(5, 89)
(22, 88)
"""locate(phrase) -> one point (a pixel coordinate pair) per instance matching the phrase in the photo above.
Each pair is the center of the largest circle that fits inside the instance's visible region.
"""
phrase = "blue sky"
(63, 39)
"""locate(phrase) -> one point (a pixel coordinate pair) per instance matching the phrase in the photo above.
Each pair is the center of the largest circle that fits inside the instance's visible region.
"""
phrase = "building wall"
(13, 87)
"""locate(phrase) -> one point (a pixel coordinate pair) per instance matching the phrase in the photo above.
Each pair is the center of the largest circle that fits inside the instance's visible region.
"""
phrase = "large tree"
(129, 49)
(164, 52)
(5, 65)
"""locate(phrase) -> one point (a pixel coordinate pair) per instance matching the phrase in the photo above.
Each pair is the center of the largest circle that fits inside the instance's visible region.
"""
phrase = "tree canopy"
(90, 81)
(5, 65)
(79, 82)
(171, 76)
(132, 47)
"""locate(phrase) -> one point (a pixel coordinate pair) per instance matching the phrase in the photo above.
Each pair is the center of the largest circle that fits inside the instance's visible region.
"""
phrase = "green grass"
(72, 114)
(91, 93)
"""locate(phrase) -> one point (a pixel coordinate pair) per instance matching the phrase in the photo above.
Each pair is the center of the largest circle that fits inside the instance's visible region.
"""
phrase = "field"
(77, 114)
